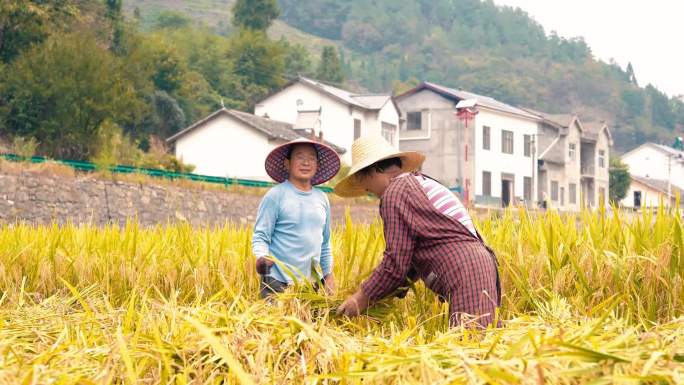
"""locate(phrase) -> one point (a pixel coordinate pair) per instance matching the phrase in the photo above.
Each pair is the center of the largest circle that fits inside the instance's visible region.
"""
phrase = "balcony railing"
(588, 170)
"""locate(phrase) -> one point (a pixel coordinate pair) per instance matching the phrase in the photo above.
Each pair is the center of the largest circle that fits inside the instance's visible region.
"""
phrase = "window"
(357, 128)
(602, 159)
(637, 199)
(486, 183)
(562, 191)
(389, 132)
(528, 145)
(414, 121)
(554, 191)
(507, 142)
(527, 188)
(572, 193)
(572, 150)
(486, 137)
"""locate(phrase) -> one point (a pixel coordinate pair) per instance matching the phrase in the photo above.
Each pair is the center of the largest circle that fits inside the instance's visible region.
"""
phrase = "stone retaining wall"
(36, 198)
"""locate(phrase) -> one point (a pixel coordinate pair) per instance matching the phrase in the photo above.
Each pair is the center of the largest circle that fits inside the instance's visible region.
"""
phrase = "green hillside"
(108, 80)
(470, 44)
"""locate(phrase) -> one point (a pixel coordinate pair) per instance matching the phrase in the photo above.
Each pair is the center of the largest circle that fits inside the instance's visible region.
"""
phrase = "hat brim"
(349, 187)
(328, 162)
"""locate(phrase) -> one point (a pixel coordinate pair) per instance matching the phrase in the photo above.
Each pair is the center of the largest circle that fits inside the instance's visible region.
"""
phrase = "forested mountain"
(78, 74)
(474, 45)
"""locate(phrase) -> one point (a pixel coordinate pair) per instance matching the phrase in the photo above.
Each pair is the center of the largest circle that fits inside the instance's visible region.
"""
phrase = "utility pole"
(669, 183)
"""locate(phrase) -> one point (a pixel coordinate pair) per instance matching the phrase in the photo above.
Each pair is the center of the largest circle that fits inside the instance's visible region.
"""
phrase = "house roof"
(659, 185)
(371, 102)
(555, 153)
(664, 149)
(592, 130)
(564, 120)
(484, 101)
(274, 129)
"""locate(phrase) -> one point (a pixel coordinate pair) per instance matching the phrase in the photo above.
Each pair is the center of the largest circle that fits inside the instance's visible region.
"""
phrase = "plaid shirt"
(424, 243)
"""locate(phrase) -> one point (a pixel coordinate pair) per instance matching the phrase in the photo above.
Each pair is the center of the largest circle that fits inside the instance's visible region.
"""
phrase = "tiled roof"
(365, 101)
(564, 120)
(374, 102)
(659, 185)
(592, 130)
(554, 154)
(274, 129)
(482, 100)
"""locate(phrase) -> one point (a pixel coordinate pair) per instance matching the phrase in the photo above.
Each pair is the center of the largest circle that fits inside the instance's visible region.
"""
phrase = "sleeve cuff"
(260, 250)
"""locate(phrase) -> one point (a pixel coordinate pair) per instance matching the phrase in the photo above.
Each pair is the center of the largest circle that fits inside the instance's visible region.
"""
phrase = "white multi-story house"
(490, 159)
(653, 168)
(574, 160)
(337, 115)
(233, 144)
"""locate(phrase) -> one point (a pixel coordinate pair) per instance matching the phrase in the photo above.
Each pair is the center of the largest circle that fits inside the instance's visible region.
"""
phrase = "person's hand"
(263, 265)
(329, 284)
(354, 305)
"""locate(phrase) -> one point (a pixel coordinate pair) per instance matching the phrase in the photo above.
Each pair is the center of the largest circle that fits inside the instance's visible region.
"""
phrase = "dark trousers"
(269, 286)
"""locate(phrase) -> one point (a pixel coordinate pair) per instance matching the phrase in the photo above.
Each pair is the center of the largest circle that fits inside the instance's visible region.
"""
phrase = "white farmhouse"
(648, 192)
(490, 160)
(335, 114)
(232, 144)
(658, 162)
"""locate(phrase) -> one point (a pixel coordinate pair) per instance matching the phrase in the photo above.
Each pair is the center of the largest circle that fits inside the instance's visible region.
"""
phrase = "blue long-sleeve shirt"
(294, 227)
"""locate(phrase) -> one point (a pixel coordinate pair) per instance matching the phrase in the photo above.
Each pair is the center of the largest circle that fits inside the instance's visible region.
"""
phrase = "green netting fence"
(123, 169)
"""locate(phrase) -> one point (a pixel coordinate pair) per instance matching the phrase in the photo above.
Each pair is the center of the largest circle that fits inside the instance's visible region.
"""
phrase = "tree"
(116, 19)
(256, 59)
(172, 20)
(168, 118)
(60, 96)
(255, 14)
(257, 64)
(297, 60)
(619, 180)
(661, 112)
(329, 68)
(24, 23)
(631, 77)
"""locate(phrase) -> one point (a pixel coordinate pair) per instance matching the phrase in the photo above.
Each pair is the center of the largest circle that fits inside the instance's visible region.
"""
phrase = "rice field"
(588, 298)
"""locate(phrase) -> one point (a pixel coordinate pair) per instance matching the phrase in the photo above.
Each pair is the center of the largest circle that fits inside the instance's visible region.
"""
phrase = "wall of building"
(573, 168)
(336, 119)
(649, 162)
(390, 115)
(442, 138)
(554, 172)
(36, 198)
(497, 162)
(649, 196)
(602, 173)
(225, 147)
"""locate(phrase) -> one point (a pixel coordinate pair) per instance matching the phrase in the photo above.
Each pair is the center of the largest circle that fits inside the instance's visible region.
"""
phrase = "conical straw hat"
(368, 150)
(328, 162)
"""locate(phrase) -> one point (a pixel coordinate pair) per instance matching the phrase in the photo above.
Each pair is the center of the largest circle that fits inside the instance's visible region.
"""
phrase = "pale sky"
(650, 34)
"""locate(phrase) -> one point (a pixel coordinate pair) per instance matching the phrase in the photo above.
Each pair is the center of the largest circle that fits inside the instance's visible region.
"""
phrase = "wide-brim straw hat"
(328, 162)
(368, 150)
